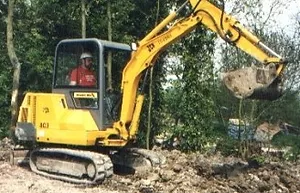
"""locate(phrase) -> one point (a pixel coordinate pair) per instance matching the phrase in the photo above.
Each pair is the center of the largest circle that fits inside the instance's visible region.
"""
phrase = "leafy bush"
(4, 132)
(292, 141)
(228, 146)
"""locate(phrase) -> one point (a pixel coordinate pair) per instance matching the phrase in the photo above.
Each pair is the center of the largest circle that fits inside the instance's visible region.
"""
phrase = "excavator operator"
(83, 75)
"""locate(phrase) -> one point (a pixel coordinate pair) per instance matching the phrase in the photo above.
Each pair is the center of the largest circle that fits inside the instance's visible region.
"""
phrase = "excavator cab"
(98, 99)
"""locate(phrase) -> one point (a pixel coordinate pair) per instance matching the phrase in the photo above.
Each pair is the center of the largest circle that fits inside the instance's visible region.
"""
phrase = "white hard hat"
(86, 55)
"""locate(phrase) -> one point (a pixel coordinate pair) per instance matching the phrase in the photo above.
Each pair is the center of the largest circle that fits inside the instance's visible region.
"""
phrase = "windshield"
(77, 62)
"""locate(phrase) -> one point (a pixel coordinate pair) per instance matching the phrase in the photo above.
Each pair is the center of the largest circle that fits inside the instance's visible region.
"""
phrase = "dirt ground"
(182, 173)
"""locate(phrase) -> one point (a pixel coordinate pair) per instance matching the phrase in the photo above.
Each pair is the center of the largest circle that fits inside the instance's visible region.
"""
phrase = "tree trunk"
(15, 63)
(148, 133)
(109, 57)
(83, 19)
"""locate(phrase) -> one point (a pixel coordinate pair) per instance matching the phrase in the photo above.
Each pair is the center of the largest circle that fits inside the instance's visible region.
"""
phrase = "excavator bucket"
(254, 83)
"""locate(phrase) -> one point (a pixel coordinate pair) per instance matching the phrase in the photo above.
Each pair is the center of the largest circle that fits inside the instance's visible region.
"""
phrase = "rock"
(263, 187)
(153, 177)
(265, 175)
(126, 181)
(166, 175)
(177, 168)
(145, 182)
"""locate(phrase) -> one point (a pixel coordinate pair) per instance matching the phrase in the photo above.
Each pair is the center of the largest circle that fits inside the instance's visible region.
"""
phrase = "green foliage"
(156, 111)
(228, 146)
(4, 131)
(291, 141)
(131, 20)
(189, 103)
(257, 160)
(5, 75)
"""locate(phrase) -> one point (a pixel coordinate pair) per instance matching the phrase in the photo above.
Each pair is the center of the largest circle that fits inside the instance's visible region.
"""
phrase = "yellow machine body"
(56, 123)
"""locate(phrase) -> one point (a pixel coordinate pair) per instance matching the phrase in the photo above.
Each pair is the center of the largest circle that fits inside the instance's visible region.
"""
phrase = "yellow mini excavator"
(77, 133)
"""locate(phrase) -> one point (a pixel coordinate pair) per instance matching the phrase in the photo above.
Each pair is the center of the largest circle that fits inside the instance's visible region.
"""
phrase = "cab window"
(68, 59)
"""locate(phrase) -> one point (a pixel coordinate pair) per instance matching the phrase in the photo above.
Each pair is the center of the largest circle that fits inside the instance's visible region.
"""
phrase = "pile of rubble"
(192, 172)
(5, 146)
(199, 173)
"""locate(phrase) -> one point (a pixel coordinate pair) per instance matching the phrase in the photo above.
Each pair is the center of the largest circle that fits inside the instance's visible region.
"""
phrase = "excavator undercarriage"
(86, 167)
(69, 165)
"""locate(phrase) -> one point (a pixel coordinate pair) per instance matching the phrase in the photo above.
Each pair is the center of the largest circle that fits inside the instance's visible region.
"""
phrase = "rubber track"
(102, 163)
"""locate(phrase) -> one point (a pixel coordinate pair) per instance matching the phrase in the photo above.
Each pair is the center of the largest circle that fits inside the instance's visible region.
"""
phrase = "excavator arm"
(252, 82)
(244, 83)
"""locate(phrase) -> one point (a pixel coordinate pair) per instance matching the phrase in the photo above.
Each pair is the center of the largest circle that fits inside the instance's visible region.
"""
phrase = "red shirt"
(83, 76)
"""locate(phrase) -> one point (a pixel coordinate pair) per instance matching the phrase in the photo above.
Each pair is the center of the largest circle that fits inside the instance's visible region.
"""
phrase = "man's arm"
(72, 83)
(73, 77)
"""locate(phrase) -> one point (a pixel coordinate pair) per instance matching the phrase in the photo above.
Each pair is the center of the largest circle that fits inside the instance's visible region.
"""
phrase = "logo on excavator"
(45, 110)
(150, 47)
